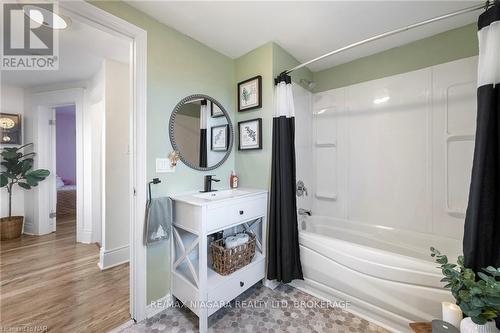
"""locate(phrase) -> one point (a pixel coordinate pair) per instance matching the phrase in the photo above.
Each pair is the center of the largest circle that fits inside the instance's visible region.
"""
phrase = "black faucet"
(208, 183)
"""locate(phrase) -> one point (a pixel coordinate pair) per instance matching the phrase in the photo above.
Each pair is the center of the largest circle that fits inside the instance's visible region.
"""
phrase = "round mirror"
(201, 131)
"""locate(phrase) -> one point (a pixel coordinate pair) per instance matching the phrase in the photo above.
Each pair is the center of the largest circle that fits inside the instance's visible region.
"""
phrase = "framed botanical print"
(250, 134)
(215, 111)
(10, 128)
(250, 94)
(220, 138)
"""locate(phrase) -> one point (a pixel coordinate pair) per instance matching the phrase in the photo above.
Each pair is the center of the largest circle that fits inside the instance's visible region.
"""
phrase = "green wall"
(177, 66)
(282, 60)
(254, 166)
(444, 47)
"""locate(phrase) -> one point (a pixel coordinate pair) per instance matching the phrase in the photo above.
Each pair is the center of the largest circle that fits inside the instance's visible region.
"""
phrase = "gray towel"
(158, 219)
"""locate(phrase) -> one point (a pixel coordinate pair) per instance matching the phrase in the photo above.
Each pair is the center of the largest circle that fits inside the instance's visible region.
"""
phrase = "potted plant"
(17, 169)
(478, 295)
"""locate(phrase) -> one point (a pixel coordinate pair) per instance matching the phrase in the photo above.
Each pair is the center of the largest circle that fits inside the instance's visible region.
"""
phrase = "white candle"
(452, 313)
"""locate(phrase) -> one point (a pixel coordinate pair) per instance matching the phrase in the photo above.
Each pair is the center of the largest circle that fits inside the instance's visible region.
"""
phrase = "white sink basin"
(219, 195)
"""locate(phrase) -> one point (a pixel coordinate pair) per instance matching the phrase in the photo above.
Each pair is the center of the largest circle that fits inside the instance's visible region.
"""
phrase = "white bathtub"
(386, 274)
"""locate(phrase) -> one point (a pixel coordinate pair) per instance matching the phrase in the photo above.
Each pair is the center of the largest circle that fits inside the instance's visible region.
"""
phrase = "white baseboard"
(31, 229)
(84, 237)
(114, 257)
(159, 305)
(28, 228)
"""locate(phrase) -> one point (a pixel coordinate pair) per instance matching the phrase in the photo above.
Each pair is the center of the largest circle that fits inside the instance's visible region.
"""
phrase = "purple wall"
(66, 143)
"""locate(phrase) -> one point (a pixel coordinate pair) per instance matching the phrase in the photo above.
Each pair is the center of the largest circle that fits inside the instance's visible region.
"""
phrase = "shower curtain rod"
(485, 6)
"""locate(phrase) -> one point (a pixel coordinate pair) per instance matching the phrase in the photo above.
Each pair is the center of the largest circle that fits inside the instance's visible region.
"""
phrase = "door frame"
(107, 22)
(43, 198)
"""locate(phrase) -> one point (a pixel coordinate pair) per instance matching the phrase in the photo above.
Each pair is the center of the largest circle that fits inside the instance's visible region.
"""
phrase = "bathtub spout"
(303, 211)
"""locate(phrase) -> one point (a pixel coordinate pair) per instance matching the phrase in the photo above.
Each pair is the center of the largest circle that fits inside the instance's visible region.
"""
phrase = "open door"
(40, 218)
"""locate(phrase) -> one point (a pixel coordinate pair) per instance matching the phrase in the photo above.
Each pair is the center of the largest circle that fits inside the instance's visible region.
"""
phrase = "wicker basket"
(226, 261)
(11, 227)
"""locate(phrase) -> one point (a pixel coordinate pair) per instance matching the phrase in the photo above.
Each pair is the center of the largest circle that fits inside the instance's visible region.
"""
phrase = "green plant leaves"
(3, 180)
(34, 177)
(480, 320)
(26, 165)
(9, 175)
(478, 295)
(31, 181)
(39, 174)
(17, 168)
(24, 185)
(8, 155)
(492, 270)
(486, 278)
(494, 301)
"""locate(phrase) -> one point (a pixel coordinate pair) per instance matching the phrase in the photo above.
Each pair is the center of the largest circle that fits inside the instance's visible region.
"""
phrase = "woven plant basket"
(226, 261)
(11, 227)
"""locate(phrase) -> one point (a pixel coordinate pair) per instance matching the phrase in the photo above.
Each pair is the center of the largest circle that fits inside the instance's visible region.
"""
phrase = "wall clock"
(10, 128)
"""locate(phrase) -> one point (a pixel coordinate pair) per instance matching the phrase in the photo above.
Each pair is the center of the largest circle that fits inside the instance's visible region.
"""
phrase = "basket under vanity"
(196, 218)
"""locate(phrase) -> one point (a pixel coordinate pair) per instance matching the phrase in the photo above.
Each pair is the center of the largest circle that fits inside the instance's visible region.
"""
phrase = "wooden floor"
(53, 281)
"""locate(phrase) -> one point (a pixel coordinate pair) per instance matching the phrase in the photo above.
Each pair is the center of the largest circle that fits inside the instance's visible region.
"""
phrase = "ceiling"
(305, 29)
(82, 49)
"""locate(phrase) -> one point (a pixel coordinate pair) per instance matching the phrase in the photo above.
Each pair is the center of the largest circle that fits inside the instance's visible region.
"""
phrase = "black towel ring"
(154, 181)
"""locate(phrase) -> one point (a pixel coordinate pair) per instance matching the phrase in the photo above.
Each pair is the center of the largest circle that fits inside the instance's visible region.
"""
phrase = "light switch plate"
(163, 165)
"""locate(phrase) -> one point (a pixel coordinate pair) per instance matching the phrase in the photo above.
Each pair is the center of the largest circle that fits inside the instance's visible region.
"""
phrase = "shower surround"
(387, 164)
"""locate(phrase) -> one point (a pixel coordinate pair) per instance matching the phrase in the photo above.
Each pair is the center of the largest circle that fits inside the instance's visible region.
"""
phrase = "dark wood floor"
(53, 281)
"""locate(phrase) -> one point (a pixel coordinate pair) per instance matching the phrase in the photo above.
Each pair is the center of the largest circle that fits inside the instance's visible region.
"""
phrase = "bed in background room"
(66, 199)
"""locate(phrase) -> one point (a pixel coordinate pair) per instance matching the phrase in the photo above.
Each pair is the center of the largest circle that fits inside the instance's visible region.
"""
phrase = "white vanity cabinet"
(196, 217)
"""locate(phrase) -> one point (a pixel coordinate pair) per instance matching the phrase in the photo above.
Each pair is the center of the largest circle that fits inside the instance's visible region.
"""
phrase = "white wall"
(97, 113)
(303, 143)
(12, 101)
(115, 242)
(405, 163)
(94, 121)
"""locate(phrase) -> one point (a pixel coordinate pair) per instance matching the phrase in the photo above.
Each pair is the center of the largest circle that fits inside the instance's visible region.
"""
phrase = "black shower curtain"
(283, 243)
(203, 135)
(482, 223)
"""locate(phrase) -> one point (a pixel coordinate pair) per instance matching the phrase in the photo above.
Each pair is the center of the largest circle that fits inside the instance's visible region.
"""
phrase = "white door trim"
(105, 21)
(42, 105)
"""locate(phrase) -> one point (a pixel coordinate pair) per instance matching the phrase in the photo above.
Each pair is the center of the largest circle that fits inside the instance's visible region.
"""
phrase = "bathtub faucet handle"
(301, 188)
(303, 211)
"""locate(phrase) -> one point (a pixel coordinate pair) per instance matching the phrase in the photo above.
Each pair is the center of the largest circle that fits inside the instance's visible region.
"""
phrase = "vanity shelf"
(196, 218)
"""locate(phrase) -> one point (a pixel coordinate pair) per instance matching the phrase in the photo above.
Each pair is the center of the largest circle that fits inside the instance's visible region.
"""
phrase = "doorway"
(88, 14)
(65, 152)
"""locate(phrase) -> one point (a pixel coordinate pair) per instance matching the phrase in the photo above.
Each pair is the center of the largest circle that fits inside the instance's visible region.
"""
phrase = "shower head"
(308, 83)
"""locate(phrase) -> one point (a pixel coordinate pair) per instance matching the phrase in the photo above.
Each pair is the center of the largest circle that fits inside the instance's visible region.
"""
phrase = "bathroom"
(298, 184)
(384, 156)
(384, 151)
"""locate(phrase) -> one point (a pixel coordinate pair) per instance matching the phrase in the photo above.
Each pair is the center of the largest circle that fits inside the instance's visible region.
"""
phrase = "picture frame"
(250, 94)
(250, 134)
(219, 138)
(10, 129)
(215, 111)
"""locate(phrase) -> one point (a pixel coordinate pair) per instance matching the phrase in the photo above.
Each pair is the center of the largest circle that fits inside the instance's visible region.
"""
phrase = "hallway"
(53, 281)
